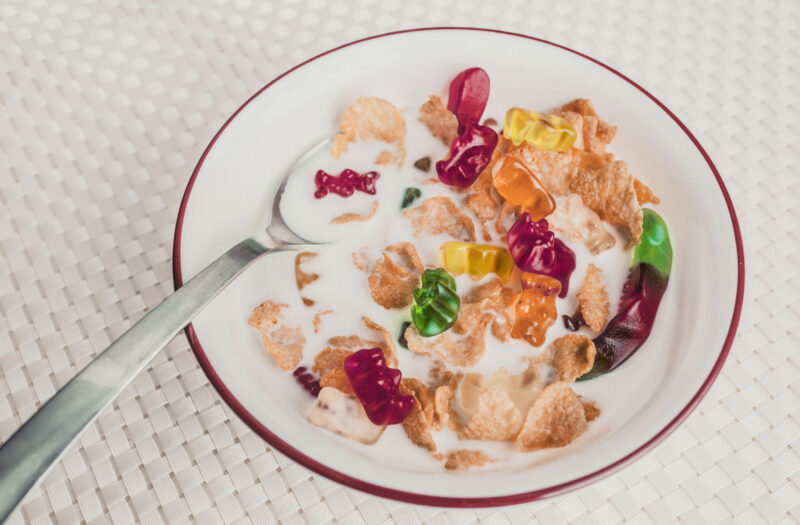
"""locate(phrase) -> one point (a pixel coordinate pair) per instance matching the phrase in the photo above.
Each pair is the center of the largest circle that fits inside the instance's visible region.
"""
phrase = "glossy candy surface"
(345, 183)
(377, 387)
(540, 130)
(519, 186)
(477, 260)
(470, 153)
(468, 95)
(641, 296)
(535, 249)
(307, 380)
(437, 303)
(536, 309)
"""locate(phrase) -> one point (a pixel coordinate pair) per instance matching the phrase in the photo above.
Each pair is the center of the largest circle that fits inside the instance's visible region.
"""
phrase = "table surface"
(106, 107)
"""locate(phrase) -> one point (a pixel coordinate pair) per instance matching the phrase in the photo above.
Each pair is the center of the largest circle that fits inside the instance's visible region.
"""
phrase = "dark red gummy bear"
(535, 249)
(469, 93)
(630, 328)
(470, 153)
(307, 380)
(345, 183)
(377, 387)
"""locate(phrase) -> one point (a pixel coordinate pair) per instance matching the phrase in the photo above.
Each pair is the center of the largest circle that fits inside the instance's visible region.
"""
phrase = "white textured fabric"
(106, 107)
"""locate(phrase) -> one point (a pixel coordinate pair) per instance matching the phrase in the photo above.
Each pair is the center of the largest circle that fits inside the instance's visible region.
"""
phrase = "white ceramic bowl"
(230, 191)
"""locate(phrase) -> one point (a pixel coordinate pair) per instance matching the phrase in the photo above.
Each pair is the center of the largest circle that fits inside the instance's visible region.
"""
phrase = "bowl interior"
(233, 189)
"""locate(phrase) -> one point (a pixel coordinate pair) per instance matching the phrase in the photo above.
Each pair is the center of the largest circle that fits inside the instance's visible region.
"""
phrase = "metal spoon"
(27, 455)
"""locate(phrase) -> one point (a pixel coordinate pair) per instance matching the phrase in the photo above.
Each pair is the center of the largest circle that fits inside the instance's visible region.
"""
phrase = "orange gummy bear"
(536, 308)
(519, 186)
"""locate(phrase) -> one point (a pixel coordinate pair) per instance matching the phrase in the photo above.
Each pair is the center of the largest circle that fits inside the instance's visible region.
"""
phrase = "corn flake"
(371, 118)
(329, 359)
(593, 299)
(439, 120)
(590, 410)
(555, 169)
(443, 410)
(466, 350)
(354, 217)
(283, 343)
(498, 299)
(573, 356)
(437, 215)
(419, 421)
(581, 223)
(496, 418)
(337, 378)
(303, 278)
(609, 191)
(391, 284)
(644, 194)
(386, 157)
(463, 459)
(485, 209)
(595, 134)
(556, 419)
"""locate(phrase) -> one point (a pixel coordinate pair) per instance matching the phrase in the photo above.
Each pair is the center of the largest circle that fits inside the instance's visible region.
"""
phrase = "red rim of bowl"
(423, 499)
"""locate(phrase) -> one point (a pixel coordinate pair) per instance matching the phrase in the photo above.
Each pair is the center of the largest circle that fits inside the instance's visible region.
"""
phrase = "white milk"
(343, 288)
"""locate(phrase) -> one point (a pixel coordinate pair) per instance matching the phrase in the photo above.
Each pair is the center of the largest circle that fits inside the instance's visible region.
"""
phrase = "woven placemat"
(106, 107)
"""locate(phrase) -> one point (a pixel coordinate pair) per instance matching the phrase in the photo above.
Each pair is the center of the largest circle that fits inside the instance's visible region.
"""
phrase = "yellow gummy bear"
(477, 260)
(542, 131)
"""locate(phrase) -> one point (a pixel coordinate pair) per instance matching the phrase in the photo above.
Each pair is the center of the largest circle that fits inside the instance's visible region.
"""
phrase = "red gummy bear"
(345, 183)
(469, 93)
(535, 249)
(377, 387)
(470, 153)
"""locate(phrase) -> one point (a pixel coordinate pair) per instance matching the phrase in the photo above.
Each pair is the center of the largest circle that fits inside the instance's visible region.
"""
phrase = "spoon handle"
(37, 445)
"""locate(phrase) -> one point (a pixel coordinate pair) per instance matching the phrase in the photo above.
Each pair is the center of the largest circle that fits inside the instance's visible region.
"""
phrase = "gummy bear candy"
(437, 303)
(470, 153)
(536, 309)
(542, 131)
(377, 387)
(641, 296)
(519, 186)
(469, 93)
(535, 249)
(476, 259)
(307, 380)
(345, 183)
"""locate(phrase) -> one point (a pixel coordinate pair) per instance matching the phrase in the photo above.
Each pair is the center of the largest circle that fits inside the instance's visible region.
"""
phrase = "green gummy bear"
(654, 246)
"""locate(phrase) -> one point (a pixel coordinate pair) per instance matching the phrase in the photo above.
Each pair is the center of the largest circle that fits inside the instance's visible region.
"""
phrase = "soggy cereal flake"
(593, 299)
(303, 278)
(609, 191)
(371, 118)
(440, 121)
(283, 343)
(439, 374)
(318, 319)
(581, 223)
(590, 410)
(352, 342)
(437, 215)
(389, 350)
(481, 204)
(573, 356)
(496, 418)
(354, 217)
(644, 194)
(419, 421)
(556, 419)
(329, 359)
(463, 459)
(465, 349)
(443, 409)
(344, 415)
(392, 284)
(386, 157)
(555, 169)
(595, 133)
(494, 297)
(337, 378)
(508, 213)
(361, 260)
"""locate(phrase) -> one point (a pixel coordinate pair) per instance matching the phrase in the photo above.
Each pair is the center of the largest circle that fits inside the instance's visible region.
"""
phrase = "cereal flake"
(573, 356)
(439, 120)
(391, 284)
(593, 299)
(283, 343)
(644, 194)
(371, 118)
(437, 215)
(419, 422)
(463, 459)
(496, 418)
(354, 217)
(556, 419)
